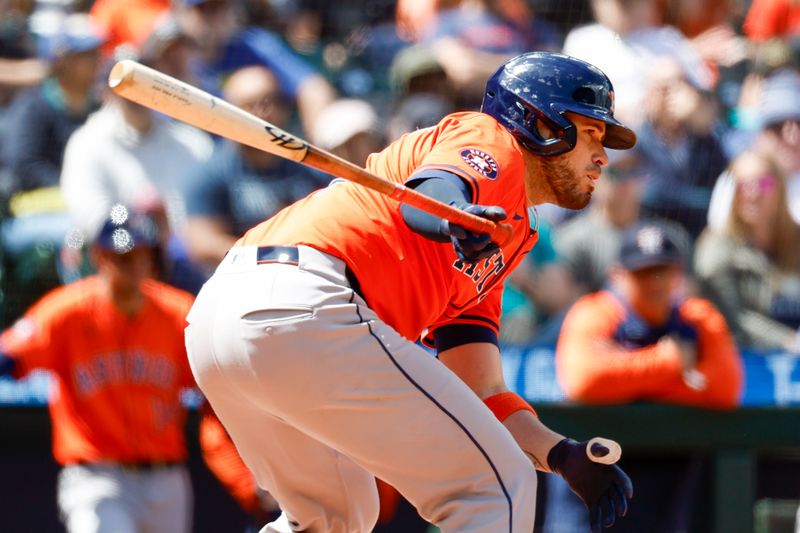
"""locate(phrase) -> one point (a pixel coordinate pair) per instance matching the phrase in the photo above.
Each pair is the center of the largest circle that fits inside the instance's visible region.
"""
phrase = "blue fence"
(771, 378)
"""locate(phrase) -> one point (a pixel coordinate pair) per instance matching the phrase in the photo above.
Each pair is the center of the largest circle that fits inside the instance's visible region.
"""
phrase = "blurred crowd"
(692, 239)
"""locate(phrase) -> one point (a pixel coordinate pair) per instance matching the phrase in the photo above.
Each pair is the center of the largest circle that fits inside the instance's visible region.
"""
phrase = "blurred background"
(711, 87)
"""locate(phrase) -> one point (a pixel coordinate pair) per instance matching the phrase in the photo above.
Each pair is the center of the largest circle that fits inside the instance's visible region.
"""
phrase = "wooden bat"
(179, 100)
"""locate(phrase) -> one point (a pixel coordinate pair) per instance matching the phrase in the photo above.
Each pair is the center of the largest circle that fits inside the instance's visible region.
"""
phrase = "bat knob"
(603, 451)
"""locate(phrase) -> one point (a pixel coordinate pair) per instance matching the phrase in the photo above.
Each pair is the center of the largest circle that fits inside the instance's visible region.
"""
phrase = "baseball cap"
(164, 33)
(342, 120)
(72, 34)
(649, 244)
(780, 98)
(410, 62)
(124, 230)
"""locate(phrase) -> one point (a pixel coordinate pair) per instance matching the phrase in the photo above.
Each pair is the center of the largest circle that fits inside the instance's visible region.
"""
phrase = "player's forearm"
(533, 437)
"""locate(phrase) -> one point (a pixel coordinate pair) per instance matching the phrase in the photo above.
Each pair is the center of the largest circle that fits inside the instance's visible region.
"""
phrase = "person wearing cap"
(241, 185)
(642, 340)
(126, 153)
(750, 266)
(225, 46)
(349, 128)
(683, 153)
(113, 343)
(777, 121)
(38, 124)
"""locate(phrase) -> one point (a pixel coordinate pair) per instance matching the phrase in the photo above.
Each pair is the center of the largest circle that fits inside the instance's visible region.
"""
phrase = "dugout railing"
(739, 443)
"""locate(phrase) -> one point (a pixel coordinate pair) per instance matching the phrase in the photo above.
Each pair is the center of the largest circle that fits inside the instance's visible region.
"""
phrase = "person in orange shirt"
(127, 22)
(304, 341)
(114, 345)
(642, 340)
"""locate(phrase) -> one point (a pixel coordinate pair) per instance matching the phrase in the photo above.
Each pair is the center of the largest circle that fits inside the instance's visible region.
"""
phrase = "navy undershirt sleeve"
(441, 185)
(453, 335)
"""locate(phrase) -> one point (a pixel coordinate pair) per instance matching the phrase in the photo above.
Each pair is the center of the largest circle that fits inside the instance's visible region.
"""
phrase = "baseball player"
(303, 340)
(114, 345)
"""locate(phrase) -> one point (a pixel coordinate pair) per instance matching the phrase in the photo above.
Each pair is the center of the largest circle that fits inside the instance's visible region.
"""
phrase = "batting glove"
(605, 489)
(472, 247)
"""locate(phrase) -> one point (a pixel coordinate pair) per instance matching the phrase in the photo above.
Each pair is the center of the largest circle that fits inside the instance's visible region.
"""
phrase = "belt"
(144, 466)
(290, 255)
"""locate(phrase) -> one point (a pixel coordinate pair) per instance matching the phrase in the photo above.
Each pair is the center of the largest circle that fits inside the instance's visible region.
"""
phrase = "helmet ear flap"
(547, 134)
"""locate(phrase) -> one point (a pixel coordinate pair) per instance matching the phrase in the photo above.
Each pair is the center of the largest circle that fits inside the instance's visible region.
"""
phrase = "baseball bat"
(604, 451)
(179, 100)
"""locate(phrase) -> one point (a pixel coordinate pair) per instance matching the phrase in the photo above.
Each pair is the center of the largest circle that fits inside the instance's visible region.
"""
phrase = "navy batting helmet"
(542, 86)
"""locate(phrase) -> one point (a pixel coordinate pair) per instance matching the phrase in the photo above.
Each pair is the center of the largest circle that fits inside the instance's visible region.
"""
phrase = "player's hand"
(472, 247)
(605, 489)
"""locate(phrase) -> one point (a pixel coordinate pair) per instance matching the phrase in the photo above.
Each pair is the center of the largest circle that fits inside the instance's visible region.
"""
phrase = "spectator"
(125, 22)
(417, 111)
(40, 122)
(772, 18)
(127, 154)
(349, 128)
(472, 38)
(589, 242)
(641, 340)
(778, 137)
(225, 46)
(417, 70)
(240, 185)
(751, 266)
(623, 43)
(19, 68)
(683, 153)
(114, 344)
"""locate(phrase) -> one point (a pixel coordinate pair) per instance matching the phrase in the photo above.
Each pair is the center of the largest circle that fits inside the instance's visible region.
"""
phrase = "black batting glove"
(605, 489)
(472, 247)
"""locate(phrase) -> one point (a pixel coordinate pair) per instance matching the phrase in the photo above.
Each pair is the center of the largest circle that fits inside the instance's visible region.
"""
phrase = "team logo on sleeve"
(480, 161)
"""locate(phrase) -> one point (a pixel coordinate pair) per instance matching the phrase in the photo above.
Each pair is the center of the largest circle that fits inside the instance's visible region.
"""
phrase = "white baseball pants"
(319, 396)
(106, 498)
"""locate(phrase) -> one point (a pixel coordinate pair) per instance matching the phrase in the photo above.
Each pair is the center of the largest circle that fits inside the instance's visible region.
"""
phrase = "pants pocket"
(278, 314)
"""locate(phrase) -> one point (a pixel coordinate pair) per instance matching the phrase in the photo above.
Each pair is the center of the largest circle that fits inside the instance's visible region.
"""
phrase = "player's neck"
(127, 300)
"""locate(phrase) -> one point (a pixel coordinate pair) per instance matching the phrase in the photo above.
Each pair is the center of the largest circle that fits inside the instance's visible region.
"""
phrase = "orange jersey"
(594, 368)
(117, 378)
(411, 282)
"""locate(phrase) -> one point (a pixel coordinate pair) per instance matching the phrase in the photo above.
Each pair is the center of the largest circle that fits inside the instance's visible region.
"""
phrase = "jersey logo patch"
(480, 162)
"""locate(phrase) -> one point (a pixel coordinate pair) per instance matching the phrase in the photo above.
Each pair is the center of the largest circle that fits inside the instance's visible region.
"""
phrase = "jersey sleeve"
(33, 340)
(223, 460)
(477, 149)
(718, 360)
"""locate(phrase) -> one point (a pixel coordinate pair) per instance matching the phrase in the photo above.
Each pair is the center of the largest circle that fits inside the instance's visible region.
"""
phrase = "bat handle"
(603, 451)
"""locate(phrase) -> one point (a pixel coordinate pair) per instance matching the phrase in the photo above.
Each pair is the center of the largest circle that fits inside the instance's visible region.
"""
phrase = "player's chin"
(575, 199)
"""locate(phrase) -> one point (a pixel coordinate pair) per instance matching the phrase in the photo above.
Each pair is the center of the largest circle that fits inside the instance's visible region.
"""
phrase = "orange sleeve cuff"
(504, 404)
